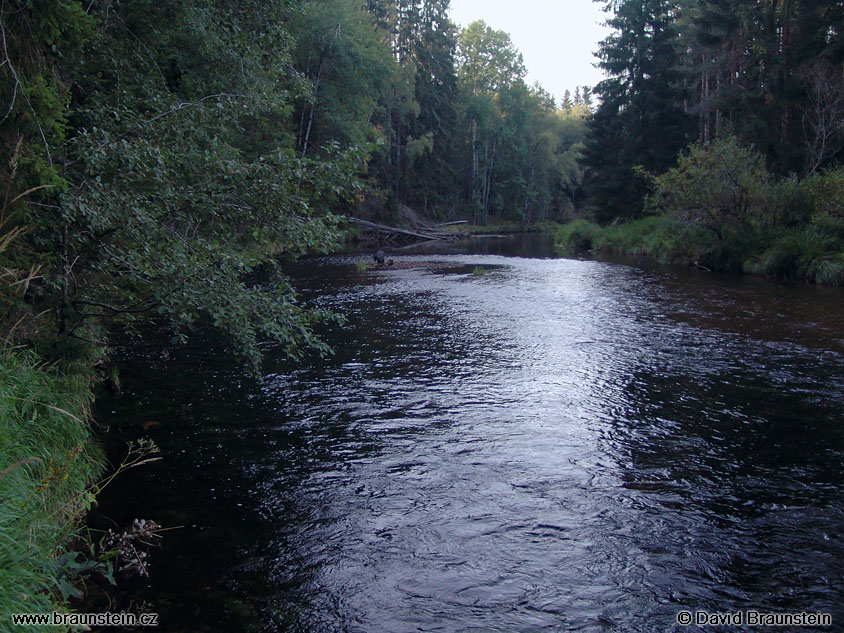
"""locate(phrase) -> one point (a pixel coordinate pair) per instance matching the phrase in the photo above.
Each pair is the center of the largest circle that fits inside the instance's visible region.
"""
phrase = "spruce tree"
(641, 120)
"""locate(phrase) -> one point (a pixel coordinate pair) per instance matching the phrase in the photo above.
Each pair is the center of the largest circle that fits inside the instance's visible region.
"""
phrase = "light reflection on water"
(554, 445)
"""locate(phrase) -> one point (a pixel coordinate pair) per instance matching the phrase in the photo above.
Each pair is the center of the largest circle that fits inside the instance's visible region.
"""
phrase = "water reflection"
(555, 445)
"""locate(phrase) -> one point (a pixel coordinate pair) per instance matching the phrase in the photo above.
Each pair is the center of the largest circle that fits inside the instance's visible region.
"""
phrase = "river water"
(541, 445)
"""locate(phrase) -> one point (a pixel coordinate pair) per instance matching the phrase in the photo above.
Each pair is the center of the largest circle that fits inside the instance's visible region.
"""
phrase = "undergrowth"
(48, 465)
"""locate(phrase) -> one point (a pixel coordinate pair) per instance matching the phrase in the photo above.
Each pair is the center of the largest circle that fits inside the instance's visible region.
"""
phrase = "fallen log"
(392, 230)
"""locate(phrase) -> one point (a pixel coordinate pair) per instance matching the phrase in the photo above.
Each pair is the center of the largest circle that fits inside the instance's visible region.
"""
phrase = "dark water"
(555, 445)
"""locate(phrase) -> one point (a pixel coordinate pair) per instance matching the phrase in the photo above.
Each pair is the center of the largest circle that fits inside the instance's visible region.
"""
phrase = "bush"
(825, 194)
(577, 237)
(721, 187)
(719, 208)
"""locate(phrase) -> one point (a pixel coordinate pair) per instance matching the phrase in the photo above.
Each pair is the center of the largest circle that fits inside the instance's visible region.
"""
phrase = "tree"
(720, 187)
(586, 98)
(488, 65)
(177, 175)
(641, 100)
(822, 113)
(347, 70)
(748, 67)
(40, 43)
(432, 141)
(420, 110)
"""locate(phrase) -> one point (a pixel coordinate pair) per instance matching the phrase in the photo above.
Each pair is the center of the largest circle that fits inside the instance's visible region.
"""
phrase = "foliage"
(577, 237)
(721, 209)
(769, 73)
(177, 184)
(340, 55)
(722, 187)
(641, 101)
(47, 463)
(824, 196)
(653, 237)
(488, 62)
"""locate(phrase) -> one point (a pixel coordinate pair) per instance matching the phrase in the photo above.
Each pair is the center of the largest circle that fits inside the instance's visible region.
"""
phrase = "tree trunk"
(475, 164)
(313, 105)
(488, 183)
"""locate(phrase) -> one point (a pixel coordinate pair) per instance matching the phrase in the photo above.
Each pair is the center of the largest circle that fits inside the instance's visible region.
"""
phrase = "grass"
(812, 252)
(47, 466)
(652, 237)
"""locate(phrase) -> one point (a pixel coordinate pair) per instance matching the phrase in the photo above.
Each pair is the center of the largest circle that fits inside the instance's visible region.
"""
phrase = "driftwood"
(422, 233)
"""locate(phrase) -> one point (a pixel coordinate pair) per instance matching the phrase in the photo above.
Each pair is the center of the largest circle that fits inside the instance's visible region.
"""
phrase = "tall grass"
(47, 464)
(653, 237)
(810, 253)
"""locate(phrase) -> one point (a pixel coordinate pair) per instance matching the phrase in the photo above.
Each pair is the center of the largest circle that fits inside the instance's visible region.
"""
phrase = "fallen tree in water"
(422, 233)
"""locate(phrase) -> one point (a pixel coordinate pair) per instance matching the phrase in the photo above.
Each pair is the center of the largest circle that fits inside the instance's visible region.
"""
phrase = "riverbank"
(811, 252)
(48, 466)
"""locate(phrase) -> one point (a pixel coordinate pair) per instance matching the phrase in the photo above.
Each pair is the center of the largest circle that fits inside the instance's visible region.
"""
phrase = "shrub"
(720, 187)
(577, 237)
(825, 194)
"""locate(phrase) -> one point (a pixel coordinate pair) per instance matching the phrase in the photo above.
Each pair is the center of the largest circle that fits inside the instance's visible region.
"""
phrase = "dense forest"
(155, 155)
(158, 152)
(719, 133)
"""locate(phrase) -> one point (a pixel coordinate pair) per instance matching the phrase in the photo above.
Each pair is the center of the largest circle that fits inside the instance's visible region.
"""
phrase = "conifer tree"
(641, 101)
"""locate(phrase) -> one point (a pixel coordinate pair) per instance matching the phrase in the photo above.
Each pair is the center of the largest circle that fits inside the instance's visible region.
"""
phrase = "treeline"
(725, 119)
(456, 131)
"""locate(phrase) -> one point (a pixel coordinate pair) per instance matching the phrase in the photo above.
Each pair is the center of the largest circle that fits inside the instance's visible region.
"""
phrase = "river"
(500, 443)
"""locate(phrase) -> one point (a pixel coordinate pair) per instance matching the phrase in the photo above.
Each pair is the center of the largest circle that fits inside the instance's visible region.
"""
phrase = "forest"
(156, 156)
(718, 137)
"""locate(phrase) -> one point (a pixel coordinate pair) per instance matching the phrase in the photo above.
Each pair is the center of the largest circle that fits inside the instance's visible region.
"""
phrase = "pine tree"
(586, 97)
(749, 69)
(432, 142)
(641, 101)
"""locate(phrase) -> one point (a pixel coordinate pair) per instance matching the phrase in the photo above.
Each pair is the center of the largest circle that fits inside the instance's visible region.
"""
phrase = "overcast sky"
(556, 37)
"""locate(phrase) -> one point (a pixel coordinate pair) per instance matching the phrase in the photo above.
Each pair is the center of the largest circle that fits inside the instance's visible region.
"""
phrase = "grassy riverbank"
(813, 252)
(48, 463)
(721, 209)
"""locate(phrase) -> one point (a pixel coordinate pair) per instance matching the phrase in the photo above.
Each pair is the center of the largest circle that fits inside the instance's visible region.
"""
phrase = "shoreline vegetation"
(49, 466)
(721, 210)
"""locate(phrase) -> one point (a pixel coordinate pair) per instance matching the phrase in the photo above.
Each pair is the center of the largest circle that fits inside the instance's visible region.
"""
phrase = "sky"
(556, 37)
